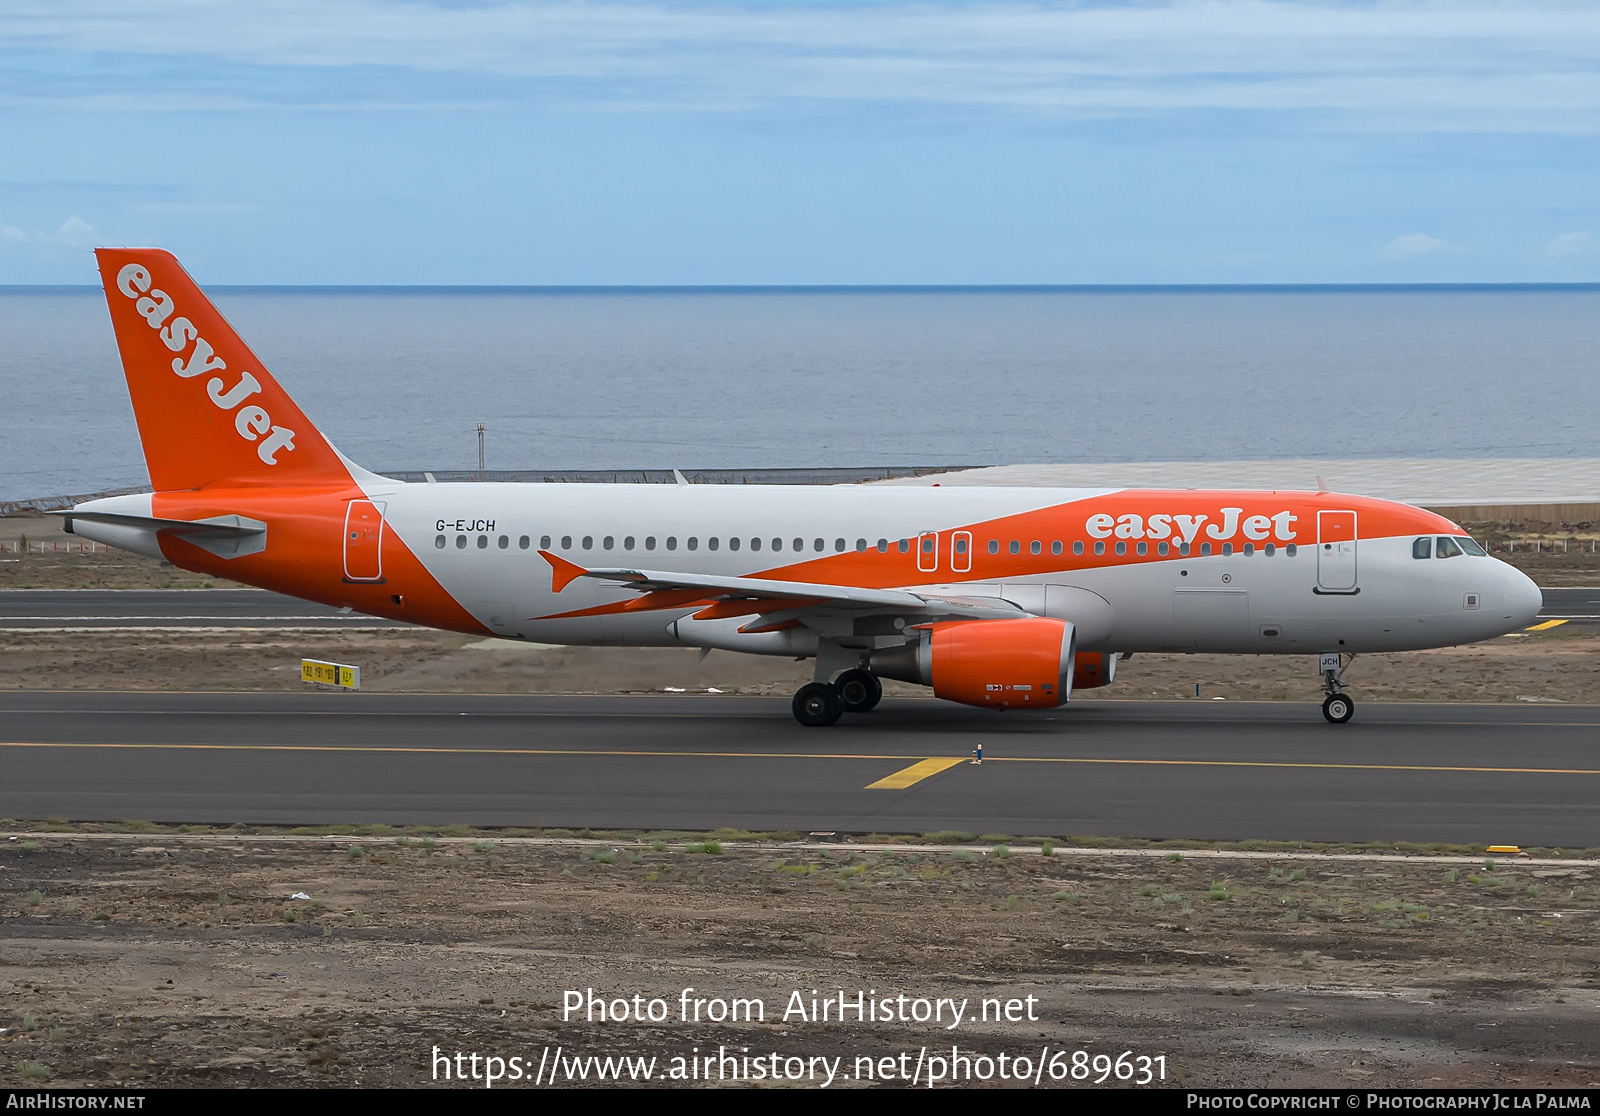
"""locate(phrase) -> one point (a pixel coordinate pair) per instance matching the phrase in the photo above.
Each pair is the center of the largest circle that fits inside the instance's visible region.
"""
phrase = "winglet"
(562, 572)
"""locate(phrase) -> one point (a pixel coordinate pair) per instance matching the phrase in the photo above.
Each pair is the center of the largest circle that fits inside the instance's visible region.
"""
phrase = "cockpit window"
(1471, 546)
(1447, 547)
(1423, 547)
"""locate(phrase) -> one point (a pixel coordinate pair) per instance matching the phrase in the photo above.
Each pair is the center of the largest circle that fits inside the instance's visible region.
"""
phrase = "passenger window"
(961, 546)
(861, 546)
(1470, 546)
(777, 544)
(883, 546)
(483, 542)
(504, 542)
(1205, 550)
(1016, 547)
(1445, 547)
(1142, 548)
(672, 542)
(712, 543)
(733, 543)
(1271, 549)
(627, 543)
(1035, 547)
(522, 543)
(608, 542)
(439, 542)
(694, 543)
(838, 546)
(817, 545)
(1077, 547)
(799, 545)
(649, 542)
(1227, 550)
(1183, 549)
(1055, 547)
(1161, 549)
(1122, 548)
(544, 542)
(566, 542)
(1099, 548)
(588, 542)
(1423, 547)
(994, 546)
(755, 544)
(461, 542)
(1249, 549)
(1291, 550)
(905, 546)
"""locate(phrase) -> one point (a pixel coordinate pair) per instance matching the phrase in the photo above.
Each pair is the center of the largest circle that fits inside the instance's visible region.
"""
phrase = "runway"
(56, 609)
(75, 609)
(1204, 770)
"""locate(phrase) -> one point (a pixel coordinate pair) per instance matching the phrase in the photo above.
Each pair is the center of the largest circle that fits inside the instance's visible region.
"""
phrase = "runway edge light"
(330, 674)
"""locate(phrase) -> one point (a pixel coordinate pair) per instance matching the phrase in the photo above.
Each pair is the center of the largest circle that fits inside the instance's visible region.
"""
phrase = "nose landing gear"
(1338, 707)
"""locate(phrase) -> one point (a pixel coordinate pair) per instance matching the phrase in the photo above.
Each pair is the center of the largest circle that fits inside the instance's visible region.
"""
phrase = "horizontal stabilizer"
(227, 536)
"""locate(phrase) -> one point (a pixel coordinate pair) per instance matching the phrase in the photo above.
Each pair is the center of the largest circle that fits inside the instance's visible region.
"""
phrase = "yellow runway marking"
(1546, 626)
(1086, 760)
(917, 772)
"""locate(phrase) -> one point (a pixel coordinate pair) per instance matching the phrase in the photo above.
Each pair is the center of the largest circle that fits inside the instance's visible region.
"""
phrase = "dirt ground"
(153, 960)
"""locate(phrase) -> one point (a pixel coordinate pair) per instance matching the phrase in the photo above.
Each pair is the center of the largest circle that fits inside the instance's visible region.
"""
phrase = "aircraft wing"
(767, 595)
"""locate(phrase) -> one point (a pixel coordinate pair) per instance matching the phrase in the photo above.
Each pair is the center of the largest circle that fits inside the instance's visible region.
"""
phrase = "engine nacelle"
(995, 664)
(1094, 669)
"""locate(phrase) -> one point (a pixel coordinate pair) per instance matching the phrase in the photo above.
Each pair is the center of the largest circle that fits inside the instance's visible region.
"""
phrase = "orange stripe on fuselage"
(1069, 523)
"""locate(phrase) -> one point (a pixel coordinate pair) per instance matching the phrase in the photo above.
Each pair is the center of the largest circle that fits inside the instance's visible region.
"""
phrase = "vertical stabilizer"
(208, 410)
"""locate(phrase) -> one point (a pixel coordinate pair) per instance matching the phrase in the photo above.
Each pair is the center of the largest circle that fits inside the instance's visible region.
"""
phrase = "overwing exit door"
(1336, 551)
(363, 541)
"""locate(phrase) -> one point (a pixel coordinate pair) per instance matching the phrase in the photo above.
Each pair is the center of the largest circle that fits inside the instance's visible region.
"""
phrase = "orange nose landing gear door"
(363, 541)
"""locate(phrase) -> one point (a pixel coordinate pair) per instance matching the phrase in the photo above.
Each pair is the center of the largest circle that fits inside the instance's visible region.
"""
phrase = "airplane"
(1001, 598)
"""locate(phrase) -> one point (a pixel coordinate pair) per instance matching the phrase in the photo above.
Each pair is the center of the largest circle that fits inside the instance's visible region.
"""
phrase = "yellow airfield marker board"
(330, 674)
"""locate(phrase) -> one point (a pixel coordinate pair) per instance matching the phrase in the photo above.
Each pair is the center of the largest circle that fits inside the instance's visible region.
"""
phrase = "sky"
(803, 141)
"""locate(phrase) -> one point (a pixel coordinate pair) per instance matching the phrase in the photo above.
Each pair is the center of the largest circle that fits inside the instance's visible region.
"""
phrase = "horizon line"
(850, 288)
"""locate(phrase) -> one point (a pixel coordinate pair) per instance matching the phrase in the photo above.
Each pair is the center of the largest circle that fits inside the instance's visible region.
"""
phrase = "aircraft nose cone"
(1523, 598)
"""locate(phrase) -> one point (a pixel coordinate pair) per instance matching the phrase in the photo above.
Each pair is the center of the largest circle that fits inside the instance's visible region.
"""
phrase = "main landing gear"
(821, 703)
(1338, 707)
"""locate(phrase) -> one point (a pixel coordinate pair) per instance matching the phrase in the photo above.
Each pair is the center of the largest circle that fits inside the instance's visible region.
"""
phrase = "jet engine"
(995, 664)
(1094, 669)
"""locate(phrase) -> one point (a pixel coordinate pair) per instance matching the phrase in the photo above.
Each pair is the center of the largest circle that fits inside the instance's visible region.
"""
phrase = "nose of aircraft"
(1522, 597)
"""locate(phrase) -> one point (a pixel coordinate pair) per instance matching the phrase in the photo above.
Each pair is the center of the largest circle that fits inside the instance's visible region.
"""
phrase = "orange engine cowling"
(1003, 664)
(1094, 669)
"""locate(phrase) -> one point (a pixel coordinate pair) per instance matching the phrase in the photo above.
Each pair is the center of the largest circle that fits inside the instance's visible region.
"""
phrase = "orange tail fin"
(208, 410)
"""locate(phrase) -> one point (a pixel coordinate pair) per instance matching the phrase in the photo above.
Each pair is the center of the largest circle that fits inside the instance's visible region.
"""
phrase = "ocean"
(590, 379)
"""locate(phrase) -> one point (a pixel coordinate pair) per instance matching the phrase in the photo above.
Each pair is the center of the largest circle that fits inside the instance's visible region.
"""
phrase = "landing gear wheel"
(859, 690)
(1338, 708)
(817, 704)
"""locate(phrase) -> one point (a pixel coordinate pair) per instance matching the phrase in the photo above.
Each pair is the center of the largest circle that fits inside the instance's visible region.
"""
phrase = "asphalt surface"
(1526, 775)
(55, 609)
(255, 608)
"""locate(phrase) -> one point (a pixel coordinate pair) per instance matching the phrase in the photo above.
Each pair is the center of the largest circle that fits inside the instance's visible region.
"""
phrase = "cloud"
(74, 232)
(1466, 65)
(1416, 245)
(1570, 244)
